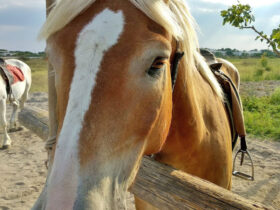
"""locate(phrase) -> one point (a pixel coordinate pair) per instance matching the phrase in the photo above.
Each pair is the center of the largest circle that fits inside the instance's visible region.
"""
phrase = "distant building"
(254, 52)
(216, 51)
(227, 52)
(4, 52)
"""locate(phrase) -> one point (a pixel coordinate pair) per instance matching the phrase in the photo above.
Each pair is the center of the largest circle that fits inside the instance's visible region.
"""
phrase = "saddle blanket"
(16, 73)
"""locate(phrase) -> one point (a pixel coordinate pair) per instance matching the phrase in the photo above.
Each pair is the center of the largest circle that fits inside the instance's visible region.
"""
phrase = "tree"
(240, 16)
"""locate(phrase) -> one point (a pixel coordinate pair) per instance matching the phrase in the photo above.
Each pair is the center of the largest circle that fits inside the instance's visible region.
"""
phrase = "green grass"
(39, 75)
(250, 69)
(262, 115)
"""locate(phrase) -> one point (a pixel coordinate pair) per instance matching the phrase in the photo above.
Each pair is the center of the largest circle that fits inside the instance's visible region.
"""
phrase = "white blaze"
(96, 38)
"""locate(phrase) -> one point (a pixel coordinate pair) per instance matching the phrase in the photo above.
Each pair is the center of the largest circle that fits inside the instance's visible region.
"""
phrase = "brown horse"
(112, 61)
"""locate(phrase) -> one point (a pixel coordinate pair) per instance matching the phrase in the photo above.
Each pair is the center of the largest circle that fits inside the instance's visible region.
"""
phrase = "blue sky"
(20, 21)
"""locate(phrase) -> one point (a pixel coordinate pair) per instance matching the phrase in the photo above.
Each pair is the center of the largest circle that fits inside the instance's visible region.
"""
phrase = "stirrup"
(241, 174)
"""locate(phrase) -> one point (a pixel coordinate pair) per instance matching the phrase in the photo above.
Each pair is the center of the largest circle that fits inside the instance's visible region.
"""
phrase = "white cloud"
(275, 20)
(22, 3)
(11, 28)
(253, 3)
(207, 10)
(227, 2)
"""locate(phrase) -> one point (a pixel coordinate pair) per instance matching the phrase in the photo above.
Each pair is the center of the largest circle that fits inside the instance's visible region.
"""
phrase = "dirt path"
(258, 89)
(22, 169)
(266, 187)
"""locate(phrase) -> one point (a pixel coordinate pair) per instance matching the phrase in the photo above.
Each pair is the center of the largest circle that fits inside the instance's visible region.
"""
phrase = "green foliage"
(238, 15)
(264, 61)
(275, 36)
(262, 115)
(275, 97)
(23, 55)
(241, 16)
(258, 73)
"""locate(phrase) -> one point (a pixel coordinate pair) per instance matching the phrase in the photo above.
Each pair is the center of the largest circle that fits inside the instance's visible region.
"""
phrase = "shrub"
(258, 73)
(268, 68)
(262, 115)
(264, 61)
(275, 97)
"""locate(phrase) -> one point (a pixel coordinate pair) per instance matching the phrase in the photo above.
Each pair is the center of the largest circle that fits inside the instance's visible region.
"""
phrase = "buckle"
(241, 174)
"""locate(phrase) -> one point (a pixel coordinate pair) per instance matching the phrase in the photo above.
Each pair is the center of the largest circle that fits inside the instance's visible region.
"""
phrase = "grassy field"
(262, 114)
(251, 69)
(39, 75)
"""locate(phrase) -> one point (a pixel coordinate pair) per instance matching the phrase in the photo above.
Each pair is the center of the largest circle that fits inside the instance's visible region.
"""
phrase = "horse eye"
(157, 67)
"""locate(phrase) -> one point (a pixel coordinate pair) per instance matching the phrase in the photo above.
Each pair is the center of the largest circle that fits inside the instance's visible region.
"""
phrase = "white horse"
(19, 95)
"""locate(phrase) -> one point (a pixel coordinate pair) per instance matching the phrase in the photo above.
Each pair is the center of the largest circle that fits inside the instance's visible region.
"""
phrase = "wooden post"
(161, 185)
(36, 120)
(52, 98)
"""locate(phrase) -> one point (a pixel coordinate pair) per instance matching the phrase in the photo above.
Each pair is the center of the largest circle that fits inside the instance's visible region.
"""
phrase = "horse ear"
(216, 66)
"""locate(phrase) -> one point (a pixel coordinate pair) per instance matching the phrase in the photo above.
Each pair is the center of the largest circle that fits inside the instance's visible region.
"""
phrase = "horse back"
(23, 67)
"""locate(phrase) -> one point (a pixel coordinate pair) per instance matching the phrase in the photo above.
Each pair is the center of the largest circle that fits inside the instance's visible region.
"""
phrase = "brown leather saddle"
(234, 110)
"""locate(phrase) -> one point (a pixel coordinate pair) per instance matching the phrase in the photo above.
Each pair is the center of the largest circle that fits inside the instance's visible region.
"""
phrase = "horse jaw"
(105, 185)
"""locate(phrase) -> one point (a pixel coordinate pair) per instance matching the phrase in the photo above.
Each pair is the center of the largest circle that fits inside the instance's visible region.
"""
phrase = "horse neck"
(187, 130)
(199, 137)
(187, 119)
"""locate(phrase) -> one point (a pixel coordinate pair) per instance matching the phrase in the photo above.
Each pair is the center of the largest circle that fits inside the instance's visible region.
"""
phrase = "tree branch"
(264, 37)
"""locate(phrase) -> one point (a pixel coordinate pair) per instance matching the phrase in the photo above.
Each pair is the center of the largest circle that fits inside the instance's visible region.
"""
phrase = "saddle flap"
(11, 74)
(237, 111)
(16, 73)
(233, 97)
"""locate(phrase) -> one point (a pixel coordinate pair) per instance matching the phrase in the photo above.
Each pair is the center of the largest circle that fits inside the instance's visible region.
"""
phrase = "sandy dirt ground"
(258, 89)
(22, 169)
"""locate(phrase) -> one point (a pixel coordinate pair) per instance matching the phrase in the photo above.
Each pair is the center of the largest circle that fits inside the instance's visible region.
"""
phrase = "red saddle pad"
(16, 72)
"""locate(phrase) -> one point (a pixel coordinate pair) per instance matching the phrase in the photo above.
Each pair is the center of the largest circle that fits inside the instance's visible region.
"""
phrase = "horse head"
(112, 61)
(114, 91)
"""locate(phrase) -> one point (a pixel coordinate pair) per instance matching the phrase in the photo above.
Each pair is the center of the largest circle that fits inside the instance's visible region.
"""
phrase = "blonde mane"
(173, 15)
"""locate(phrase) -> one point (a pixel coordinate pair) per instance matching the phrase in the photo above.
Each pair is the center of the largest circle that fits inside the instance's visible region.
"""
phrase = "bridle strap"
(174, 67)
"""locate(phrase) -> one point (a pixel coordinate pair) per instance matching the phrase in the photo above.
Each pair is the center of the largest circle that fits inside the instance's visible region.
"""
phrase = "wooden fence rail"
(159, 184)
